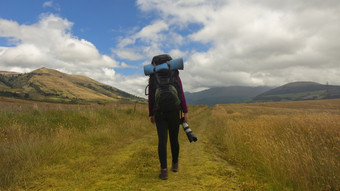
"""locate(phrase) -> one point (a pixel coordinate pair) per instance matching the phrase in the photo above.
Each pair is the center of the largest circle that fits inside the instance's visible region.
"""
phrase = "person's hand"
(152, 119)
(186, 117)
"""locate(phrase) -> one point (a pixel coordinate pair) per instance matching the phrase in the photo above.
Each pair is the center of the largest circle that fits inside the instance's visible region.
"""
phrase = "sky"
(222, 42)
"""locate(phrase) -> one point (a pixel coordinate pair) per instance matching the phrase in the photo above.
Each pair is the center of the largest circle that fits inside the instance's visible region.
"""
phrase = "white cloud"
(48, 4)
(147, 42)
(176, 53)
(255, 42)
(51, 4)
(129, 53)
(135, 83)
(50, 44)
(223, 43)
(148, 33)
(124, 65)
(3, 50)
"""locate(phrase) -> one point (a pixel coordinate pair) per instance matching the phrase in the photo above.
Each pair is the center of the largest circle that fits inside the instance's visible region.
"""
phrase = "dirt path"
(135, 167)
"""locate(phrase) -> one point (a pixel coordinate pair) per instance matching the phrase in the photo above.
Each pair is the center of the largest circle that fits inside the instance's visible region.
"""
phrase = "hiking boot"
(163, 174)
(174, 167)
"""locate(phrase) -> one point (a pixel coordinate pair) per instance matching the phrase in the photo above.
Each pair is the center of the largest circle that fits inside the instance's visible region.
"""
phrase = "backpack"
(165, 89)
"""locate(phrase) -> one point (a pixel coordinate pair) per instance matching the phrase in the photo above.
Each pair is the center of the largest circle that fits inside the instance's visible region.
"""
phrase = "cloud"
(48, 4)
(223, 43)
(51, 4)
(129, 53)
(49, 43)
(147, 42)
(135, 84)
(149, 34)
(2, 50)
(254, 42)
(124, 65)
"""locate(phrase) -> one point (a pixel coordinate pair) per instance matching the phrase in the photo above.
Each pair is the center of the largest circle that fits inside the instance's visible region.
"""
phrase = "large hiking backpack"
(164, 86)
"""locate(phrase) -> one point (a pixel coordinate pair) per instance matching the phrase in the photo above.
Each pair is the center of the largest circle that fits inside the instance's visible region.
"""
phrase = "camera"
(188, 131)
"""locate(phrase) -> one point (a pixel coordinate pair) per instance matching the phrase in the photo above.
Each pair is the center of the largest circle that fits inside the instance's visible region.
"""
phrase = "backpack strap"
(146, 88)
(154, 67)
(168, 63)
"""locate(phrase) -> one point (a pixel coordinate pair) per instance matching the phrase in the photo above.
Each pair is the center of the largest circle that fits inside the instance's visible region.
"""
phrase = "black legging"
(167, 121)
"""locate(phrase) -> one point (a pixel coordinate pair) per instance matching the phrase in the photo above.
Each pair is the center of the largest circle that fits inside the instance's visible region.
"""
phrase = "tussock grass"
(35, 138)
(95, 147)
(271, 146)
(290, 145)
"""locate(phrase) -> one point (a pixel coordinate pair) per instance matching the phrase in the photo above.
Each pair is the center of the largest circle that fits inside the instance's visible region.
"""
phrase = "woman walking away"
(166, 100)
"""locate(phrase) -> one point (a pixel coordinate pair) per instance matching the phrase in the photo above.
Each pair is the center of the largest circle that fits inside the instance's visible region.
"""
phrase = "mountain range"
(224, 95)
(300, 91)
(53, 86)
(294, 91)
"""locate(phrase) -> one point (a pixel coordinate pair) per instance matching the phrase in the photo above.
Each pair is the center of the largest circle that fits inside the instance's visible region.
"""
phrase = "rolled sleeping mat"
(162, 67)
(174, 64)
(148, 69)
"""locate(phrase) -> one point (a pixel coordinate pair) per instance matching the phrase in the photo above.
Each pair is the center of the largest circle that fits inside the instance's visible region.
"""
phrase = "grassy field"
(262, 146)
(44, 145)
(281, 146)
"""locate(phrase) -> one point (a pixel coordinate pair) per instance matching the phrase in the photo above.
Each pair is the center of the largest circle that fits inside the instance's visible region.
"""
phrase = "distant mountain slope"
(3, 81)
(51, 85)
(3, 86)
(240, 94)
(223, 95)
(300, 91)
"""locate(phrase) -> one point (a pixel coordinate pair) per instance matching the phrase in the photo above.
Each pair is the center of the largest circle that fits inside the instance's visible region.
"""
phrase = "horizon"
(273, 87)
(223, 44)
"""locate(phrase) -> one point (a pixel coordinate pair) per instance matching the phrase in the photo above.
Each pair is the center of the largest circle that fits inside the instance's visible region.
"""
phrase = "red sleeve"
(183, 101)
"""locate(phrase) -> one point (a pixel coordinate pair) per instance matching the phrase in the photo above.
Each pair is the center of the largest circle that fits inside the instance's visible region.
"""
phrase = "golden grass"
(288, 145)
(37, 137)
(273, 146)
(55, 84)
(93, 147)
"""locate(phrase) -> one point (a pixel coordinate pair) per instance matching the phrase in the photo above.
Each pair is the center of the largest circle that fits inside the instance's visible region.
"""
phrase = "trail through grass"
(89, 159)
(135, 166)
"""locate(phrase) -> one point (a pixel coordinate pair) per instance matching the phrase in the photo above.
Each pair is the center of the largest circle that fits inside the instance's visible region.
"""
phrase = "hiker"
(166, 101)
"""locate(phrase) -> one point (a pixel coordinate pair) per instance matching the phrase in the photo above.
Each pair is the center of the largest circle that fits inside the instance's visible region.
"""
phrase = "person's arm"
(184, 106)
(186, 117)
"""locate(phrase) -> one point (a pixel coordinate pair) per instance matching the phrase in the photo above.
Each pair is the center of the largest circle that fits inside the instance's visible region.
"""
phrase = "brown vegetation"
(287, 145)
(271, 146)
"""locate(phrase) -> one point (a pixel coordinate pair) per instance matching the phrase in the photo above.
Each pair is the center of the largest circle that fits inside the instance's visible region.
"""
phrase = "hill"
(300, 91)
(223, 95)
(294, 91)
(51, 85)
